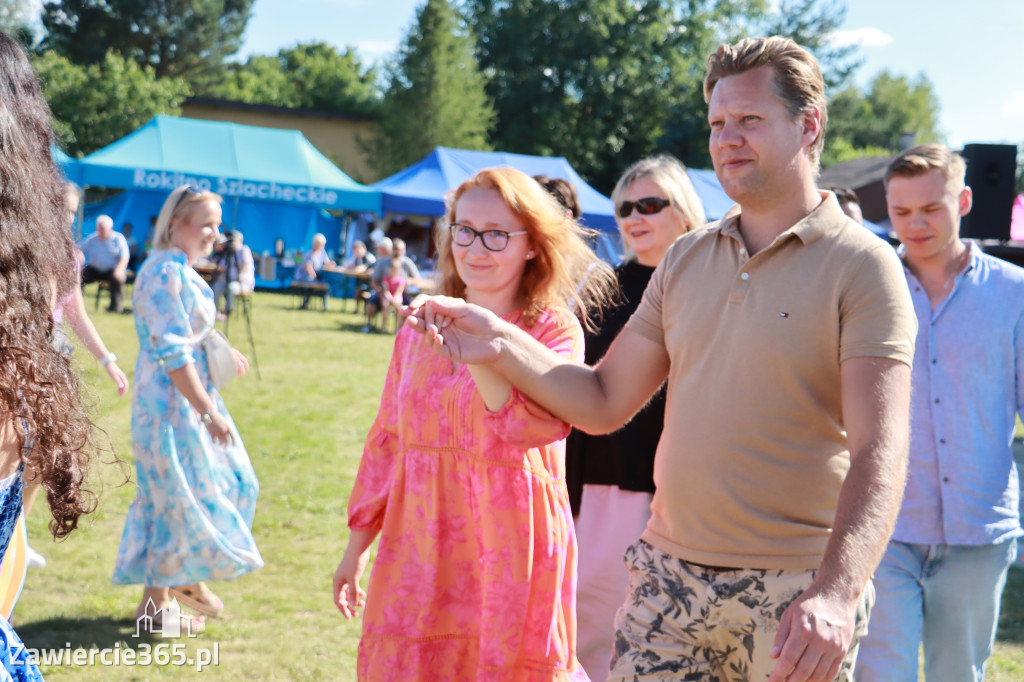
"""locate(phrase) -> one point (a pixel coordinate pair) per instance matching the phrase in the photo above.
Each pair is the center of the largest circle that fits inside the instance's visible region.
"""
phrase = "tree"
(872, 123)
(811, 25)
(15, 17)
(435, 95)
(261, 80)
(189, 39)
(590, 80)
(309, 76)
(98, 104)
(605, 82)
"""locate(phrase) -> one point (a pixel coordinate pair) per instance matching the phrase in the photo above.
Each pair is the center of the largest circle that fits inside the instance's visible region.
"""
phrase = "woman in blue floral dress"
(44, 433)
(192, 517)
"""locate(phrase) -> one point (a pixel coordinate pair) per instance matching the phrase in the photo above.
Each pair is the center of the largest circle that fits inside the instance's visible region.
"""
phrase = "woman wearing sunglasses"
(655, 203)
(463, 477)
(192, 516)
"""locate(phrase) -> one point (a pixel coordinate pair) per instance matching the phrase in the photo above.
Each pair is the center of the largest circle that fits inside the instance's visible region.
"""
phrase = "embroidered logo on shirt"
(783, 314)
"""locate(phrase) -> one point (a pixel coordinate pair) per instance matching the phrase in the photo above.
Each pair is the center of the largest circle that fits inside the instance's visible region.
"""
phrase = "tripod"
(244, 298)
(229, 263)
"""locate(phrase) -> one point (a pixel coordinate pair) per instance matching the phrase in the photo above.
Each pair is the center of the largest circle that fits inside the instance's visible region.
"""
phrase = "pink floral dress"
(475, 575)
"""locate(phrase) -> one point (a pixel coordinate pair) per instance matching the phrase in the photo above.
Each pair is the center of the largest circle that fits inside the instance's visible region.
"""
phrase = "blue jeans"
(944, 595)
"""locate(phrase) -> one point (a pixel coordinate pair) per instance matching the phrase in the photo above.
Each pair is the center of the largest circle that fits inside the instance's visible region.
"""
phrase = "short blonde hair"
(177, 204)
(669, 174)
(798, 79)
(564, 272)
(928, 157)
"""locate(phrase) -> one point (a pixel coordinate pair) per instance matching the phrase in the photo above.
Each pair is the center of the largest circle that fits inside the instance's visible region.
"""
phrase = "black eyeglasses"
(493, 240)
(645, 206)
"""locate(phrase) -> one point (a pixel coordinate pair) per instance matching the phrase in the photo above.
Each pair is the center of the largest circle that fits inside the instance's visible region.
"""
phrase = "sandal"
(199, 598)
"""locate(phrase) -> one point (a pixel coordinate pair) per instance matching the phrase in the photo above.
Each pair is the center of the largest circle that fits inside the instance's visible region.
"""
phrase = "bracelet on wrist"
(207, 417)
(107, 359)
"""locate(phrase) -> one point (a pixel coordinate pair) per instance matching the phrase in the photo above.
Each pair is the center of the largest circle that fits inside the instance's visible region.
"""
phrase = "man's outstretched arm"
(597, 400)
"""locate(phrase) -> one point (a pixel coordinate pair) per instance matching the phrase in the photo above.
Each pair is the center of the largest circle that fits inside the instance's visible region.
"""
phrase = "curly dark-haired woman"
(44, 433)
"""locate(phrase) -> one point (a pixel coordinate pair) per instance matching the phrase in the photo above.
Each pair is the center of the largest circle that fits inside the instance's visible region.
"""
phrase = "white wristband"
(107, 359)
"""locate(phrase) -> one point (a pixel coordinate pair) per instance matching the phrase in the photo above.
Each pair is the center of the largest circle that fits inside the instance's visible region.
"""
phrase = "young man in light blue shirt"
(943, 573)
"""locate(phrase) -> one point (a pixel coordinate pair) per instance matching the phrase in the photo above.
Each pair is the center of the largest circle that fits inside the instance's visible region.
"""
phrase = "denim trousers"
(946, 596)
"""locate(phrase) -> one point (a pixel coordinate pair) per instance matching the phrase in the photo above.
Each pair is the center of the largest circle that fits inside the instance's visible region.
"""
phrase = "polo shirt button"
(945, 479)
(935, 361)
(917, 288)
(942, 441)
(745, 275)
(743, 252)
(936, 401)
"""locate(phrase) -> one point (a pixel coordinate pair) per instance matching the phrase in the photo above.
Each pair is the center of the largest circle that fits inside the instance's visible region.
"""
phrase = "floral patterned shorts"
(683, 621)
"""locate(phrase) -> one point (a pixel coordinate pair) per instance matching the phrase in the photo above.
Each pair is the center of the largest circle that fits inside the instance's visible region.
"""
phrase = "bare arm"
(349, 597)
(816, 630)
(85, 330)
(598, 400)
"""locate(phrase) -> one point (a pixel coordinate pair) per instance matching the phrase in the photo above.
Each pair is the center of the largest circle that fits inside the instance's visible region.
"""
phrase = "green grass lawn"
(303, 424)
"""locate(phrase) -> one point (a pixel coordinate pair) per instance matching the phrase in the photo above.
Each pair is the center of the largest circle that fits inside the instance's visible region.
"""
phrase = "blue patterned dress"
(14, 664)
(192, 517)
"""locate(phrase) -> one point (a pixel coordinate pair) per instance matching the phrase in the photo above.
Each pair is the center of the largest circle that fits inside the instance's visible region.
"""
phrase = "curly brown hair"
(40, 391)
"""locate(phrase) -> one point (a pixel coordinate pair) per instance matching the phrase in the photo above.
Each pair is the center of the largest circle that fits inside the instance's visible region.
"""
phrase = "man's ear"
(966, 200)
(812, 125)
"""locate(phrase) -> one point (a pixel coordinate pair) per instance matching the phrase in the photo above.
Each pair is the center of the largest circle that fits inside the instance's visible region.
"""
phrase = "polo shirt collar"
(812, 227)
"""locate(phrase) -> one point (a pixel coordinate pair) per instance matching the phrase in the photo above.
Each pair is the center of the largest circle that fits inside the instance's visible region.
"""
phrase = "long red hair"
(565, 271)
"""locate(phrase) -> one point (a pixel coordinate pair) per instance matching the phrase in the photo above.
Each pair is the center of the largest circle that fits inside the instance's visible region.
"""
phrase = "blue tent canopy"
(714, 199)
(420, 189)
(70, 167)
(236, 161)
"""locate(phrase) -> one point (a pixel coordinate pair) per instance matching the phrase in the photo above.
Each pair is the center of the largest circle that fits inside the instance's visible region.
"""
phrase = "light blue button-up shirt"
(968, 385)
(104, 254)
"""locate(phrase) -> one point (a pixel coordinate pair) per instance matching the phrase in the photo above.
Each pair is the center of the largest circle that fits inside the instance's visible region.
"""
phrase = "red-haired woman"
(463, 477)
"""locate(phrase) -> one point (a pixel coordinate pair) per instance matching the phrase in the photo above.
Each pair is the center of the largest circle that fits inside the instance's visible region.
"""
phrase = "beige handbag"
(220, 361)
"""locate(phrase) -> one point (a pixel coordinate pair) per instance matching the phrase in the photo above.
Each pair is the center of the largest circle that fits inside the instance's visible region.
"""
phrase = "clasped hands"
(457, 330)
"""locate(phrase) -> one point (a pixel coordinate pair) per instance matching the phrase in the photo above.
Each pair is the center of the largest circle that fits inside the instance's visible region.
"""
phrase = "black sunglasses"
(645, 206)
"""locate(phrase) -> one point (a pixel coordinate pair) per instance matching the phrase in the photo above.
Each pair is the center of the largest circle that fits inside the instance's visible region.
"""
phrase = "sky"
(970, 51)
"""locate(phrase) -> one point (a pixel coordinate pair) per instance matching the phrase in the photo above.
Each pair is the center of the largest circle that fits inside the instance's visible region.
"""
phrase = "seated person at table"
(236, 272)
(409, 271)
(360, 261)
(106, 260)
(382, 249)
(312, 263)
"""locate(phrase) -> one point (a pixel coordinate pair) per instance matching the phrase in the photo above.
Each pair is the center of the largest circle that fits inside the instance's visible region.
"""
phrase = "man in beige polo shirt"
(786, 334)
